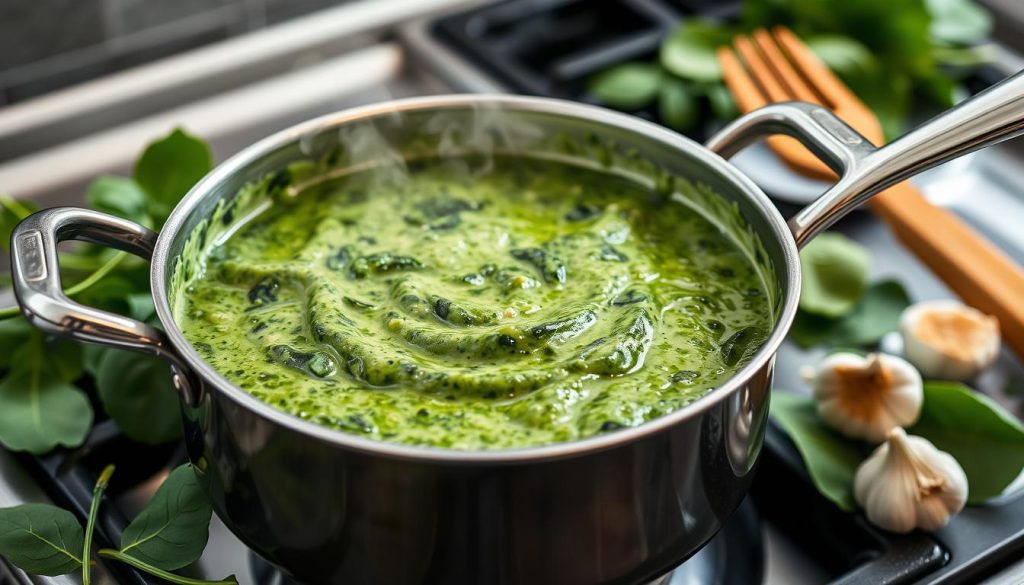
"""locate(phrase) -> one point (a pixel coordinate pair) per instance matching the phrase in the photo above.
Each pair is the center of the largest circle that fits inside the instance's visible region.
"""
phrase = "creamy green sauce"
(535, 303)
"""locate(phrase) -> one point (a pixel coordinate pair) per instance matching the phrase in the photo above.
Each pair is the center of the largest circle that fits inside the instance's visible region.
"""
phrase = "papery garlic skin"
(866, 397)
(908, 483)
(949, 340)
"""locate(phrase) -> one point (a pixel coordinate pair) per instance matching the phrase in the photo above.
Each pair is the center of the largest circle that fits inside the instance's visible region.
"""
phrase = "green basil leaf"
(689, 51)
(722, 104)
(831, 459)
(877, 313)
(171, 532)
(835, 275)
(629, 86)
(14, 334)
(41, 539)
(677, 106)
(137, 392)
(39, 410)
(12, 211)
(119, 196)
(958, 22)
(987, 441)
(841, 54)
(168, 169)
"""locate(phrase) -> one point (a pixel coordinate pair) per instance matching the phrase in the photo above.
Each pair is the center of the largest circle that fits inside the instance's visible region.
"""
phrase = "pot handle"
(992, 116)
(37, 284)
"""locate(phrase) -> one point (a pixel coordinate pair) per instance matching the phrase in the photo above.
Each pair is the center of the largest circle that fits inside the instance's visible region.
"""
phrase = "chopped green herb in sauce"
(537, 303)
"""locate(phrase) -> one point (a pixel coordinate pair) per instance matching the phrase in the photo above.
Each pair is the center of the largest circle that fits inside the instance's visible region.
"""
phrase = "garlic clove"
(908, 483)
(949, 340)
(864, 397)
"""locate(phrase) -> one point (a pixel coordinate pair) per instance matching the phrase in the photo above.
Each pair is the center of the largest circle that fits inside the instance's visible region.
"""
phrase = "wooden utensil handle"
(982, 275)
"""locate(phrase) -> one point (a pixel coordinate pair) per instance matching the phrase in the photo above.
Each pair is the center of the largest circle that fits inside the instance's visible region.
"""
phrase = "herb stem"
(15, 206)
(97, 495)
(97, 275)
(10, 312)
(117, 555)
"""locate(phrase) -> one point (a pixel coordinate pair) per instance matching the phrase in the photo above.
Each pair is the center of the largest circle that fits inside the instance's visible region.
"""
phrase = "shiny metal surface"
(335, 508)
(988, 118)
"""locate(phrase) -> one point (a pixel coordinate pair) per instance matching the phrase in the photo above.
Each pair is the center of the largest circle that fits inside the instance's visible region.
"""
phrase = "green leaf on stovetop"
(41, 539)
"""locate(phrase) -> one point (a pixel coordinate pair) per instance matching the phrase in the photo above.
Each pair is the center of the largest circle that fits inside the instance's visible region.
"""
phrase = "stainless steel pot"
(622, 507)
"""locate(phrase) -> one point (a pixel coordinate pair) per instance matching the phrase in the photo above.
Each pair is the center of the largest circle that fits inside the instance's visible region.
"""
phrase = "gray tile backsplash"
(49, 44)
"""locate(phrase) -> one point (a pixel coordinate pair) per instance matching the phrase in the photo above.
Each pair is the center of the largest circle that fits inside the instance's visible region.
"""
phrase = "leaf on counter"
(629, 86)
(958, 22)
(168, 169)
(171, 532)
(841, 54)
(119, 196)
(985, 439)
(41, 539)
(835, 275)
(689, 51)
(876, 314)
(831, 459)
(722, 104)
(137, 392)
(38, 408)
(677, 105)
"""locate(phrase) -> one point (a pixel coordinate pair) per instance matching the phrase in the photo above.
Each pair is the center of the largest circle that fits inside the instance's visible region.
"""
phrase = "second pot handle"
(988, 118)
(37, 283)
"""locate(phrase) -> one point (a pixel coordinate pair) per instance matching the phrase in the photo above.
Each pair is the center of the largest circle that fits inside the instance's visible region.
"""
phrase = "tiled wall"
(49, 44)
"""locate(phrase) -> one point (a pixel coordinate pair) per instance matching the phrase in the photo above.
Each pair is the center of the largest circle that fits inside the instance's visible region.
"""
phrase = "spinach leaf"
(877, 313)
(958, 22)
(677, 105)
(987, 441)
(831, 459)
(119, 196)
(629, 86)
(841, 53)
(136, 391)
(41, 539)
(168, 169)
(835, 275)
(689, 51)
(38, 408)
(171, 532)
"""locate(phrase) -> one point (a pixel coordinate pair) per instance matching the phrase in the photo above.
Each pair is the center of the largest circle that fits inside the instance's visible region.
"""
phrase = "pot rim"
(603, 116)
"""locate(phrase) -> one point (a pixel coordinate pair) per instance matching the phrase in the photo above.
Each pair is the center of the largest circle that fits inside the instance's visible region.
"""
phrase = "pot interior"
(467, 131)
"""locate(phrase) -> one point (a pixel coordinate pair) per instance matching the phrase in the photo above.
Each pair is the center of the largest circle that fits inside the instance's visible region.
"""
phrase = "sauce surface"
(535, 303)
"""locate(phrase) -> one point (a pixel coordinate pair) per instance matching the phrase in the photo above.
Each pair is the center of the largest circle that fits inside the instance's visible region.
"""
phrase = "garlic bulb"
(865, 397)
(907, 483)
(949, 340)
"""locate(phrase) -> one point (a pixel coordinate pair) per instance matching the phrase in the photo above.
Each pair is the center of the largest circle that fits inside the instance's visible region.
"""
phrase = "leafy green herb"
(629, 86)
(677, 105)
(842, 54)
(689, 52)
(877, 313)
(168, 169)
(835, 275)
(40, 409)
(987, 441)
(119, 196)
(958, 22)
(171, 532)
(137, 392)
(831, 459)
(41, 539)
